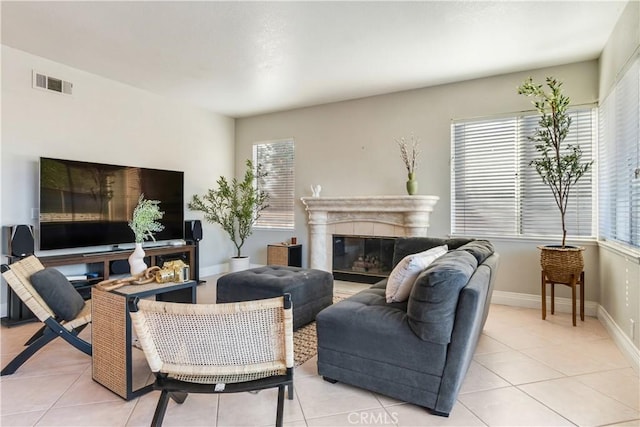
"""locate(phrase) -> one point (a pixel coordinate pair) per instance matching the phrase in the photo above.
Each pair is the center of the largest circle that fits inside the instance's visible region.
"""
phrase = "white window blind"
(277, 160)
(619, 160)
(495, 191)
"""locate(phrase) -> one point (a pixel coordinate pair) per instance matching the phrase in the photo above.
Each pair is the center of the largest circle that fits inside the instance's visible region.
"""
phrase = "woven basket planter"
(559, 263)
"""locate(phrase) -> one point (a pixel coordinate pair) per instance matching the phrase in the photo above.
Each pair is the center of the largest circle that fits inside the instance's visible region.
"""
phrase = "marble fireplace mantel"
(392, 216)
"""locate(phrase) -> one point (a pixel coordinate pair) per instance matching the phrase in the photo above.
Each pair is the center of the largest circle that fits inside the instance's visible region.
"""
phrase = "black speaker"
(18, 240)
(193, 230)
(119, 266)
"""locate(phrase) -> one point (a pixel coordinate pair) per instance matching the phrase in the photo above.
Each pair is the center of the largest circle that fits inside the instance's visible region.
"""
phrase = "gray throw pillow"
(58, 293)
(480, 249)
(431, 309)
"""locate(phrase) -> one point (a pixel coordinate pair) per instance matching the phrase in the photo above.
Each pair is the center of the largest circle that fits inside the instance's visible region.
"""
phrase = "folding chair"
(216, 348)
(18, 276)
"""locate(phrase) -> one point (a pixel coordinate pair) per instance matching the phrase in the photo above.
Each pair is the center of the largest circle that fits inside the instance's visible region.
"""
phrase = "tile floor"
(526, 372)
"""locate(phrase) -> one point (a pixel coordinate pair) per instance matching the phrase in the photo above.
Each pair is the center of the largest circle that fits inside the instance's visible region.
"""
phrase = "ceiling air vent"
(41, 81)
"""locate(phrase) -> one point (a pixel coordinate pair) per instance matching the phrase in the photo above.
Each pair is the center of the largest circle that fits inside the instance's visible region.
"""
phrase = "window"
(495, 191)
(277, 160)
(619, 158)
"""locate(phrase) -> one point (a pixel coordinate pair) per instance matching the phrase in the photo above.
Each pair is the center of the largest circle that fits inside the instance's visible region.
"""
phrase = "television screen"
(90, 204)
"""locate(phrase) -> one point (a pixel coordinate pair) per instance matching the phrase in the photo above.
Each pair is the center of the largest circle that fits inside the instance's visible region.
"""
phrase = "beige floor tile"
(521, 370)
(630, 423)
(255, 409)
(21, 420)
(84, 391)
(486, 344)
(96, 415)
(590, 356)
(28, 394)
(510, 407)
(320, 398)
(579, 403)
(480, 378)
(196, 410)
(410, 416)
(620, 384)
(367, 417)
(142, 413)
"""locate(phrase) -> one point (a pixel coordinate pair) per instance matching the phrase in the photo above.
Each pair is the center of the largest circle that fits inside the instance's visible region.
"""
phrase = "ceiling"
(246, 58)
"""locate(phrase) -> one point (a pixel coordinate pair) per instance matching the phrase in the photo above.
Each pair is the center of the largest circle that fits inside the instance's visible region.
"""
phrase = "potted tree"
(144, 223)
(235, 206)
(560, 166)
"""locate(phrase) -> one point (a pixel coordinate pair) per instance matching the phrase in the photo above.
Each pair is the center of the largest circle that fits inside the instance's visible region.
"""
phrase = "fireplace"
(365, 259)
(363, 216)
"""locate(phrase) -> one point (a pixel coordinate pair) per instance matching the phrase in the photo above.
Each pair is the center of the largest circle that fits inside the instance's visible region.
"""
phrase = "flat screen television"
(90, 204)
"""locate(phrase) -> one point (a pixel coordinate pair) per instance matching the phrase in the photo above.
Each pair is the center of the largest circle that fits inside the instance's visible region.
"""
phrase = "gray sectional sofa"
(418, 350)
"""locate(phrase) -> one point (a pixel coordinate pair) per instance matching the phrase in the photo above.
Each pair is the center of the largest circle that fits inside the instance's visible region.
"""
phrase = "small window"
(276, 159)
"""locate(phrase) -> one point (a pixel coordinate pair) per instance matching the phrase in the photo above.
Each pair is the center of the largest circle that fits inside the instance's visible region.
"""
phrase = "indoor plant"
(235, 205)
(410, 158)
(560, 166)
(144, 223)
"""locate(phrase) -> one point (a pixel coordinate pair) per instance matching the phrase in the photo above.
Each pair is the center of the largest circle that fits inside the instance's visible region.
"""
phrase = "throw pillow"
(480, 249)
(405, 273)
(59, 294)
(431, 309)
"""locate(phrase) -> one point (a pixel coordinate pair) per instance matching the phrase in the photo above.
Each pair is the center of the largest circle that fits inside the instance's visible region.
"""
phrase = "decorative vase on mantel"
(136, 260)
(412, 185)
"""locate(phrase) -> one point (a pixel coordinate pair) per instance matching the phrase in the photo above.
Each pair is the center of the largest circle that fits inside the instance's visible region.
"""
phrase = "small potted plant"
(560, 166)
(144, 223)
(235, 206)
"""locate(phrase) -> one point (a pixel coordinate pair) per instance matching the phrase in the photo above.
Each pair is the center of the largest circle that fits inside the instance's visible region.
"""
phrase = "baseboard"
(220, 268)
(563, 305)
(621, 339)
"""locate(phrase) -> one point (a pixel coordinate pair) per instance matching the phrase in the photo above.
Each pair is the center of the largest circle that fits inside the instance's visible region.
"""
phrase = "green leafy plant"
(145, 219)
(235, 205)
(560, 164)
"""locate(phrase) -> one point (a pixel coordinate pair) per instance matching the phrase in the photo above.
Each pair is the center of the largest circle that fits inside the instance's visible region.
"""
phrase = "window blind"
(619, 155)
(277, 160)
(495, 191)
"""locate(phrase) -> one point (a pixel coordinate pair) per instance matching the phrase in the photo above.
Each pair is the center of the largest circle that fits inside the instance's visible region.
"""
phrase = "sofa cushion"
(59, 294)
(480, 249)
(404, 246)
(404, 274)
(366, 327)
(434, 297)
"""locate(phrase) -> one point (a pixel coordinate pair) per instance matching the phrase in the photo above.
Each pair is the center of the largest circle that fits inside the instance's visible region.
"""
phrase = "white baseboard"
(221, 268)
(620, 338)
(563, 305)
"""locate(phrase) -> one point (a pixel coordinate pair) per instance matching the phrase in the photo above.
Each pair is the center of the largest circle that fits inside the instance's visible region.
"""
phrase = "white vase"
(136, 260)
(238, 263)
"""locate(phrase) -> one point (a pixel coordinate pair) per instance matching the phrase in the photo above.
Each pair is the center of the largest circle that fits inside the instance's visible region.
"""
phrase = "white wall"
(108, 122)
(620, 270)
(349, 149)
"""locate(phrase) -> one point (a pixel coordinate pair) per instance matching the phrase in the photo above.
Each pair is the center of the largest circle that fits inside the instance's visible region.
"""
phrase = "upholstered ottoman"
(311, 290)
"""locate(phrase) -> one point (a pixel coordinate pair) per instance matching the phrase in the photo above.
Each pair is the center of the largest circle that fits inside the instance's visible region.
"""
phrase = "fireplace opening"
(363, 259)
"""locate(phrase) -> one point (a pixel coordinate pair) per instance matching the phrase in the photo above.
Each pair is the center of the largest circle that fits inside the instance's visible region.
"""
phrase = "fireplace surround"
(392, 216)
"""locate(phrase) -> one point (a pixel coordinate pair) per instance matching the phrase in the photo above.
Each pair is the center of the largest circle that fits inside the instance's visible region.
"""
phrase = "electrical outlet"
(632, 326)
(35, 213)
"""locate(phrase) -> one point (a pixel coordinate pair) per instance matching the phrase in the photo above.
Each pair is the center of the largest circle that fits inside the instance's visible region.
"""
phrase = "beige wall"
(349, 149)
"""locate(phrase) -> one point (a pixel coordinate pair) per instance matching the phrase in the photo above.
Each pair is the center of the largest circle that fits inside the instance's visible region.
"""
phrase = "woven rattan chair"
(17, 276)
(216, 348)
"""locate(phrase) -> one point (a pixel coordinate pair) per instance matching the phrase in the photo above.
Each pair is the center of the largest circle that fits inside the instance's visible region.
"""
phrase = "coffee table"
(116, 365)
